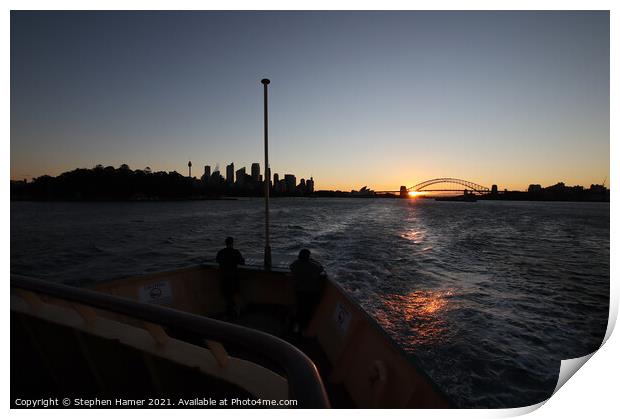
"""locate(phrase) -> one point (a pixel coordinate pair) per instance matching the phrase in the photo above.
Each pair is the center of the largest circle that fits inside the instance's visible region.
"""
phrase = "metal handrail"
(304, 381)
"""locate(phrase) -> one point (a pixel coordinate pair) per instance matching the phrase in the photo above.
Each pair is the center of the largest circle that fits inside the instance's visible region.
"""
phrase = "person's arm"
(240, 257)
(319, 268)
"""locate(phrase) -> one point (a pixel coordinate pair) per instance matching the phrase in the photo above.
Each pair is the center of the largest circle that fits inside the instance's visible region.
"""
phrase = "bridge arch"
(470, 186)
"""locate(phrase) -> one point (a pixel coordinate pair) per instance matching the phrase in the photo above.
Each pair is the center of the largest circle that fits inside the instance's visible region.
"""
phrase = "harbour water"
(489, 296)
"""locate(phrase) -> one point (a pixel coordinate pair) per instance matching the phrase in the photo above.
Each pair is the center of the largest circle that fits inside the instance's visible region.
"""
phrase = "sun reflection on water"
(419, 315)
(414, 235)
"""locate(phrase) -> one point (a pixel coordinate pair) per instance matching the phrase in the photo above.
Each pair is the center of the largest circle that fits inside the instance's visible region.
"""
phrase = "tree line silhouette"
(109, 183)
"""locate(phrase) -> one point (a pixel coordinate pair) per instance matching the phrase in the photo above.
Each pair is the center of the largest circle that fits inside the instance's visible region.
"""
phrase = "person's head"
(229, 242)
(304, 254)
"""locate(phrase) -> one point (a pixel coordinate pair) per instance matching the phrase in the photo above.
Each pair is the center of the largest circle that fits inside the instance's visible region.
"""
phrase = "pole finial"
(265, 81)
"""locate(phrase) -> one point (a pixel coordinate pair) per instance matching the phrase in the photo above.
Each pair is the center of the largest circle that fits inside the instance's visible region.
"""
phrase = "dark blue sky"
(357, 98)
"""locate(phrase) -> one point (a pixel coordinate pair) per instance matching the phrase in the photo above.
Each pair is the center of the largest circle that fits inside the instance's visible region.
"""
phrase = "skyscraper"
(276, 182)
(290, 183)
(215, 178)
(255, 172)
(310, 185)
(240, 176)
(207, 174)
(230, 173)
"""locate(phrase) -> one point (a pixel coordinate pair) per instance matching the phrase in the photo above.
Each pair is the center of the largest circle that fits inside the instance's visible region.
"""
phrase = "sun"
(415, 194)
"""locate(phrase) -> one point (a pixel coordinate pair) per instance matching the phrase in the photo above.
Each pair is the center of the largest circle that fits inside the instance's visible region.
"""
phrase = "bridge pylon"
(404, 192)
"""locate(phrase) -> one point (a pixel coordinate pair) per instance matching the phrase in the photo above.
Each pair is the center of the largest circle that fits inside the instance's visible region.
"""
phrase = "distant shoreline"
(109, 184)
(236, 198)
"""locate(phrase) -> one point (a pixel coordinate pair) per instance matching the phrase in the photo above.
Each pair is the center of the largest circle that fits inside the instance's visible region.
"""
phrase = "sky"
(381, 99)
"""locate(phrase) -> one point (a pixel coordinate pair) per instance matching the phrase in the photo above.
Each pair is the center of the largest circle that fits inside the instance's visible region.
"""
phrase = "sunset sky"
(381, 99)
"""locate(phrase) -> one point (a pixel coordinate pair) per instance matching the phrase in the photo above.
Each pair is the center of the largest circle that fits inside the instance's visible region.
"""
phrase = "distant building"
(363, 192)
(278, 184)
(216, 178)
(255, 170)
(598, 193)
(247, 180)
(290, 183)
(240, 176)
(404, 193)
(494, 189)
(230, 173)
(598, 188)
(310, 185)
(558, 187)
(534, 188)
(302, 185)
(207, 174)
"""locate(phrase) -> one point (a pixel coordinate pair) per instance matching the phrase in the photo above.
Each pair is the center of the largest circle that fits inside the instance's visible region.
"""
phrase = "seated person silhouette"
(228, 259)
(309, 280)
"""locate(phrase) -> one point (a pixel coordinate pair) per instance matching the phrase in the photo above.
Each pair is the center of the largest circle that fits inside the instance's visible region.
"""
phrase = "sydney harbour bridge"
(443, 185)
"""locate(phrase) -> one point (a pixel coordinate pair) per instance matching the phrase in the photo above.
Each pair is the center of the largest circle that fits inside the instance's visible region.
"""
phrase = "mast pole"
(267, 179)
